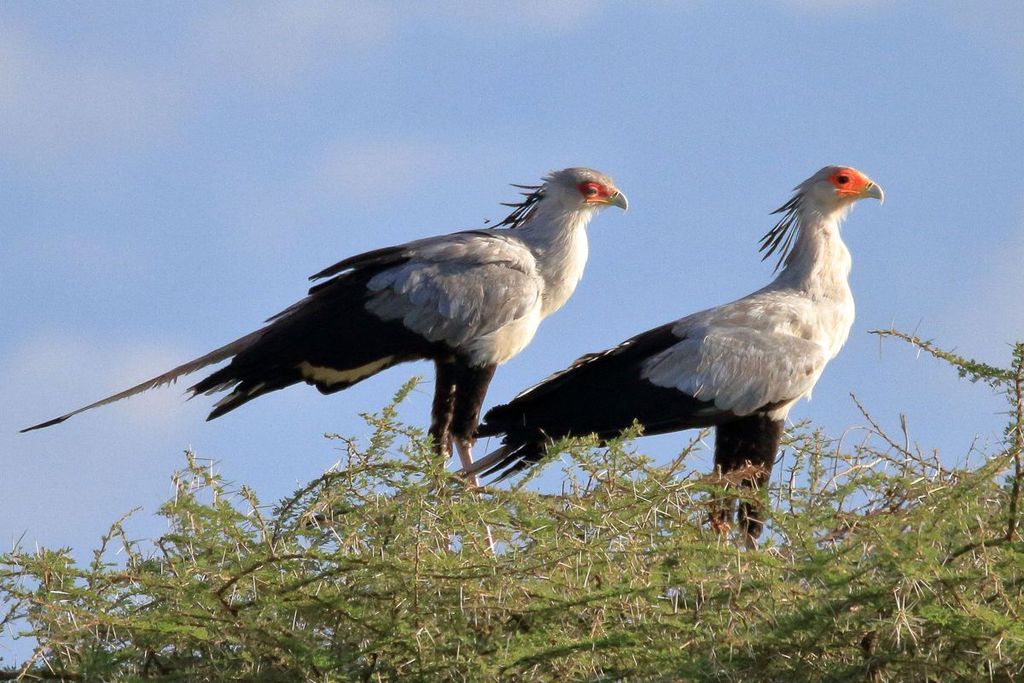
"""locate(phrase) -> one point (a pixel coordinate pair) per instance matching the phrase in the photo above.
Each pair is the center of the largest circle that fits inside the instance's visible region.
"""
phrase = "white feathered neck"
(556, 234)
(819, 262)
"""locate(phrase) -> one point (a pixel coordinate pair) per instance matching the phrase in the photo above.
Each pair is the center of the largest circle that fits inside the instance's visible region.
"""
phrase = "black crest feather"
(522, 211)
(780, 238)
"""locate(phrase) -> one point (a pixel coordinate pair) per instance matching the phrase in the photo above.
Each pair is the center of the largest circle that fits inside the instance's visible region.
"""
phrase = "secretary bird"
(468, 301)
(738, 368)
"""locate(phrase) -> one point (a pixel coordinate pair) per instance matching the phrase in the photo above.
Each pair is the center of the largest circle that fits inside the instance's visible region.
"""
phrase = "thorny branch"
(1016, 440)
(968, 368)
(371, 572)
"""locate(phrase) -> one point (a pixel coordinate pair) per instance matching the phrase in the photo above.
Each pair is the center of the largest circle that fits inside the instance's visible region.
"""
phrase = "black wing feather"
(332, 329)
(602, 394)
(369, 259)
(329, 328)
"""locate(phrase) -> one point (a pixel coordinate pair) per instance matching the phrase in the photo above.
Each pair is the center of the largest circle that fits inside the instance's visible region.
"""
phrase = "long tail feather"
(169, 377)
(492, 459)
(505, 461)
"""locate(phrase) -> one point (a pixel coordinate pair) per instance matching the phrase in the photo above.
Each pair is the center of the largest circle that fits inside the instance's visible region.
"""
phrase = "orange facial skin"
(595, 192)
(850, 182)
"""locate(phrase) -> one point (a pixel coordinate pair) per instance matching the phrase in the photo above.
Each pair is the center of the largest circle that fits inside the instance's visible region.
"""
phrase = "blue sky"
(171, 174)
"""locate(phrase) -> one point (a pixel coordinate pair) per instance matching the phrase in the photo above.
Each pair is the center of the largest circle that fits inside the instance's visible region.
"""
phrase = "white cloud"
(374, 171)
(844, 7)
(543, 15)
(54, 373)
(997, 26)
(264, 211)
(61, 105)
(57, 104)
(273, 43)
(992, 304)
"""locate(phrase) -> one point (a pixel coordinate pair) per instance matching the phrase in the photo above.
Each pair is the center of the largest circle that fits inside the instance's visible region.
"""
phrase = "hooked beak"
(873, 190)
(618, 199)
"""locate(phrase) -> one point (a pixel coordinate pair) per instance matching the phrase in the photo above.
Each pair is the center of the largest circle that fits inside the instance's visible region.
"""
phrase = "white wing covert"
(739, 369)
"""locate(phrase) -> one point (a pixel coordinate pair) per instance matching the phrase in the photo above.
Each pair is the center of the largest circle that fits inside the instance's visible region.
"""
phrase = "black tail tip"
(44, 425)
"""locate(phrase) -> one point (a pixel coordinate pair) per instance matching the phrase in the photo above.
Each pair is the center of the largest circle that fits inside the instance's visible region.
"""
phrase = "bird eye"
(842, 179)
(589, 189)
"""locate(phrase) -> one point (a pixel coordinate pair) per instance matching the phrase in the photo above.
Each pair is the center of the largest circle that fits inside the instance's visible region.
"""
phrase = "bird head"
(838, 187)
(566, 191)
(577, 188)
(829, 192)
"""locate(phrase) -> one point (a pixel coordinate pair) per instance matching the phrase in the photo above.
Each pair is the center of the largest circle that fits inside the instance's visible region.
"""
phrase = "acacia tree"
(881, 563)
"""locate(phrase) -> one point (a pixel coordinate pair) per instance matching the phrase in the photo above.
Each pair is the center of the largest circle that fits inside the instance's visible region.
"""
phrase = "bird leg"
(745, 448)
(762, 457)
(751, 514)
(722, 507)
(470, 388)
(464, 447)
(443, 407)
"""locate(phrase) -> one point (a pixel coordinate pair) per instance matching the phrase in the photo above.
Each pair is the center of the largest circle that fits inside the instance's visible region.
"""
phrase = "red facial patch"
(849, 181)
(593, 192)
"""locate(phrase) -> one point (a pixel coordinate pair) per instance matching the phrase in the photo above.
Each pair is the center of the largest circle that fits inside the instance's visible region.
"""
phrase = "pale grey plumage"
(770, 347)
(488, 290)
(739, 367)
(461, 289)
(469, 301)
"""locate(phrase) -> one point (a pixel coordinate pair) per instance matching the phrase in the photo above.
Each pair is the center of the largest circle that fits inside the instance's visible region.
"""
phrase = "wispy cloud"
(843, 7)
(58, 104)
(55, 373)
(271, 44)
(347, 175)
(373, 171)
(538, 15)
(991, 304)
(996, 25)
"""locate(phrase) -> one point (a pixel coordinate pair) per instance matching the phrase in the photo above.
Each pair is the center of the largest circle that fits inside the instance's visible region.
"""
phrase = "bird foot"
(465, 449)
(720, 523)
